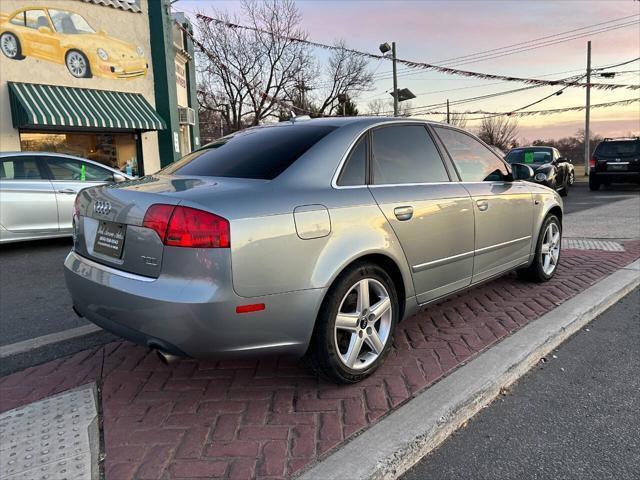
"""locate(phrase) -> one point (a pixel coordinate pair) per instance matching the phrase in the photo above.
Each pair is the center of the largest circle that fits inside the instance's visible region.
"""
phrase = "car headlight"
(102, 54)
(540, 177)
(140, 52)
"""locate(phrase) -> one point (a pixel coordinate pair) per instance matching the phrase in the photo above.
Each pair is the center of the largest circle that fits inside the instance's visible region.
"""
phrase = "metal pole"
(587, 112)
(344, 109)
(448, 116)
(395, 80)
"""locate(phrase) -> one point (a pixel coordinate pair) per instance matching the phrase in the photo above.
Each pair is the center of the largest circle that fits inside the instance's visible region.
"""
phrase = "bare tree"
(499, 131)
(244, 74)
(347, 74)
(376, 107)
(405, 109)
(382, 107)
(459, 119)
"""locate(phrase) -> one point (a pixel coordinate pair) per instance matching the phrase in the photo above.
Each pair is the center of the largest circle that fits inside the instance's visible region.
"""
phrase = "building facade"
(100, 79)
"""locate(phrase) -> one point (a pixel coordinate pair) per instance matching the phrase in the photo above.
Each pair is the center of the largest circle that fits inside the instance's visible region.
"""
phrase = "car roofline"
(63, 155)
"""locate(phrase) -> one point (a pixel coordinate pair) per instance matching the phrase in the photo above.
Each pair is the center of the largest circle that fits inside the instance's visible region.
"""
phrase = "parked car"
(310, 236)
(65, 37)
(551, 169)
(37, 191)
(615, 160)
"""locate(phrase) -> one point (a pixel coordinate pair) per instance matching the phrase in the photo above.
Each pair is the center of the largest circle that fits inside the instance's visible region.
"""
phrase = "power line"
(618, 64)
(508, 50)
(507, 47)
(487, 114)
(547, 44)
(417, 65)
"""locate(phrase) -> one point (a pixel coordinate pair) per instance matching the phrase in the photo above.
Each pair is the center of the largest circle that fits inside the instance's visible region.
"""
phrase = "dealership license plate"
(617, 167)
(110, 239)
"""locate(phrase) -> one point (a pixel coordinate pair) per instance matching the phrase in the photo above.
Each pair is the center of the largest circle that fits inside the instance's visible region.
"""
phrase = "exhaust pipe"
(166, 358)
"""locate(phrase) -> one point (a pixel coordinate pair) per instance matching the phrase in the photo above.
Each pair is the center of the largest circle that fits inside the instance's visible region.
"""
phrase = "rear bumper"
(190, 316)
(617, 177)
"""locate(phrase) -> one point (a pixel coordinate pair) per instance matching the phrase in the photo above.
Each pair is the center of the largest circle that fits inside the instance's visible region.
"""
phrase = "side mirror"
(118, 177)
(45, 30)
(520, 171)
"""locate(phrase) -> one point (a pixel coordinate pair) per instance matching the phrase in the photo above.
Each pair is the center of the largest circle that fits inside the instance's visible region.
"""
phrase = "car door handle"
(68, 190)
(483, 205)
(403, 213)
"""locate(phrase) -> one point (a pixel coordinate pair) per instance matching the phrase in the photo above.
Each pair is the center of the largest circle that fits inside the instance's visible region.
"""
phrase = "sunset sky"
(435, 31)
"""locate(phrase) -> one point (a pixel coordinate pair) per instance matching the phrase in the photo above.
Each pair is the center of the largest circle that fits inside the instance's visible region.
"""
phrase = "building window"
(115, 150)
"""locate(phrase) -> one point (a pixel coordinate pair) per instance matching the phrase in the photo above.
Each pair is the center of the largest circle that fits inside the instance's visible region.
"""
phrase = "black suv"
(615, 160)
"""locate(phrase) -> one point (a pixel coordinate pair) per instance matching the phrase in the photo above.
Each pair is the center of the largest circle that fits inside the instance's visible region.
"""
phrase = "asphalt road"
(577, 416)
(581, 198)
(35, 302)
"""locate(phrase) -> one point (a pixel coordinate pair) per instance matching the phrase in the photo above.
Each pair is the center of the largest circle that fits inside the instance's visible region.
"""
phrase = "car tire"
(547, 255)
(593, 183)
(10, 46)
(78, 64)
(349, 347)
(572, 178)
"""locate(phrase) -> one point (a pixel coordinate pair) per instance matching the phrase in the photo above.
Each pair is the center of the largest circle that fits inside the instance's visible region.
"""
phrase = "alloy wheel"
(363, 324)
(9, 45)
(550, 251)
(77, 64)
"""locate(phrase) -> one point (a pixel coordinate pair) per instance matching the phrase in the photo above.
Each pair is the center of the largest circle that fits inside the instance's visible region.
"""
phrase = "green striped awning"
(45, 106)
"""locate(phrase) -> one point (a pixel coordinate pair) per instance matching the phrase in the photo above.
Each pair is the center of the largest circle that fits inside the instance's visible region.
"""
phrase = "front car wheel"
(354, 329)
(78, 64)
(547, 256)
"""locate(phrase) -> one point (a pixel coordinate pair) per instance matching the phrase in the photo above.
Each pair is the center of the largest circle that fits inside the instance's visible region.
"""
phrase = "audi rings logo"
(102, 207)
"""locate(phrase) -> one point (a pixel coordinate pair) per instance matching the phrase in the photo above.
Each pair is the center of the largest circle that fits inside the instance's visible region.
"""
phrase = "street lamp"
(398, 95)
(384, 48)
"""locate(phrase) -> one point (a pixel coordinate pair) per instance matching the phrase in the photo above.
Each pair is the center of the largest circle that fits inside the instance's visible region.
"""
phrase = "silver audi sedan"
(309, 237)
(37, 191)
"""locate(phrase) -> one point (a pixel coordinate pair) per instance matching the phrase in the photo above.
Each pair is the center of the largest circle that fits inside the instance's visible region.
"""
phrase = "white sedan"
(37, 191)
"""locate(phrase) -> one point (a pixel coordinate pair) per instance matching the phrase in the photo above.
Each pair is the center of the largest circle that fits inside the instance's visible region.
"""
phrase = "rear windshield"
(627, 148)
(530, 155)
(260, 153)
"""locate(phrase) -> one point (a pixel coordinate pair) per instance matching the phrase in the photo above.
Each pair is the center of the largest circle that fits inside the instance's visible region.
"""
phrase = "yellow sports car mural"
(64, 37)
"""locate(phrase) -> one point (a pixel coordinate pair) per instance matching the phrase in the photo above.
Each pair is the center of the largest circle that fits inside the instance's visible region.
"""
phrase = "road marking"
(44, 340)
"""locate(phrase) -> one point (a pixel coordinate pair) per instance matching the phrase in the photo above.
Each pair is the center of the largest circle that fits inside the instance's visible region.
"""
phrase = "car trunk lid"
(109, 228)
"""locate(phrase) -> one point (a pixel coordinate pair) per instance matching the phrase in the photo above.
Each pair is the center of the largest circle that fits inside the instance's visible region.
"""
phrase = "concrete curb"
(397, 442)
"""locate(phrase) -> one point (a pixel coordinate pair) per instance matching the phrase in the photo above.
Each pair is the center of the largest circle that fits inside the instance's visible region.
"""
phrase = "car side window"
(474, 161)
(405, 154)
(20, 168)
(355, 168)
(18, 19)
(36, 18)
(75, 170)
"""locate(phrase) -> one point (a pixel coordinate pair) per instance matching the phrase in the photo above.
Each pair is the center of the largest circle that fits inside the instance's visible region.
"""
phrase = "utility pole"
(395, 80)
(587, 112)
(448, 116)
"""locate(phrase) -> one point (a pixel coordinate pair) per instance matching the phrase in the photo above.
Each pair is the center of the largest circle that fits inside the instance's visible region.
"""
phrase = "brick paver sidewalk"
(269, 417)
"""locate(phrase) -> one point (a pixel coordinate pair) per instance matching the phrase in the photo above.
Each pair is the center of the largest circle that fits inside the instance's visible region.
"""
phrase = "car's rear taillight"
(592, 163)
(76, 207)
(157, 218)
(179, 226)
